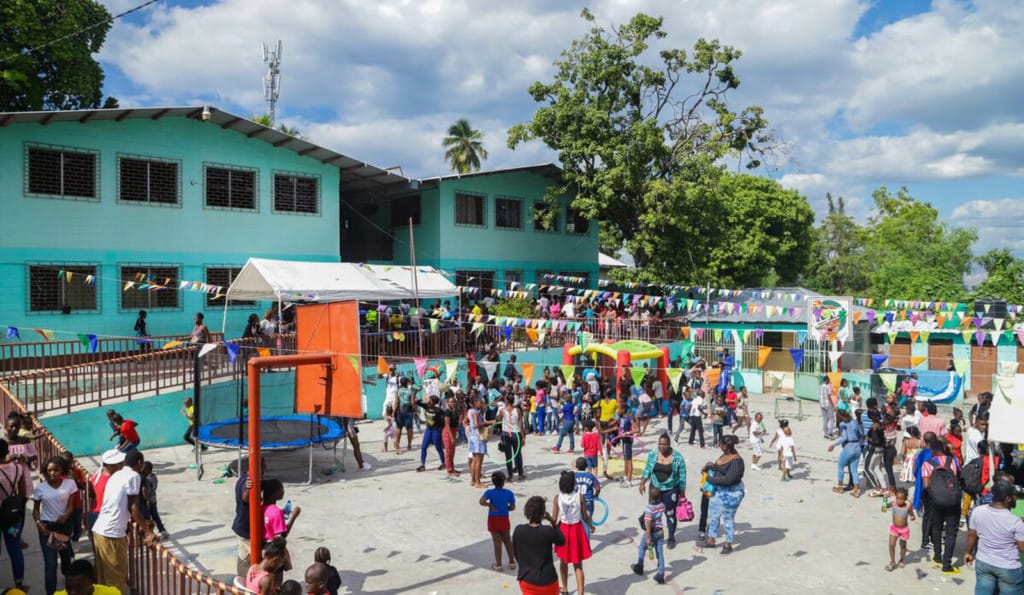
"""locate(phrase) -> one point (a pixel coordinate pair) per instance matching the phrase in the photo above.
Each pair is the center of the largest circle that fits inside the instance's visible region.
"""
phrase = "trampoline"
(278, 432)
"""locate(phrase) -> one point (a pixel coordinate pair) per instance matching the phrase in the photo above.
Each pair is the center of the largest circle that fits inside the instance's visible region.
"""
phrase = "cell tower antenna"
(272, 80)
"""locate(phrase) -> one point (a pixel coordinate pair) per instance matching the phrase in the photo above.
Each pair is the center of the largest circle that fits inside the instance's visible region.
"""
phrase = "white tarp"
(1006, 417)
(432, 284)
(288, 280)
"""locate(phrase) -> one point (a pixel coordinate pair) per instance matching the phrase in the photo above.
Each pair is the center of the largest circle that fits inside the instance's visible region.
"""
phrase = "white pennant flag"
(207, 348)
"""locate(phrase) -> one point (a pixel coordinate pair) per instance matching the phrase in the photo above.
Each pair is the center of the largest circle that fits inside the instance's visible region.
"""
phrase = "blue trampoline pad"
(279, 432)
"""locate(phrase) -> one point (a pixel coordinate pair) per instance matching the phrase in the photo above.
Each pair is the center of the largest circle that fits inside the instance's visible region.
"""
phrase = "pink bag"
(684, 510)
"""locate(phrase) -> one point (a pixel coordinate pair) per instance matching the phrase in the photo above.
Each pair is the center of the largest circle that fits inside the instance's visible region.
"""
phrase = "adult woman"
(200, 334)
(849, 439)
(666, 470)
(532, 544)
(726, 474)
(873, 455)
(19, 445)
(52, 515)
(432, 434)
(843, 396)
(13, 483)
(450, 432)
(477, 444)
(512, 438)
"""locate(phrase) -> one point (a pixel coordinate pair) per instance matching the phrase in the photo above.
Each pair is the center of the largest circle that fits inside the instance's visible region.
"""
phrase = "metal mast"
(272, 80)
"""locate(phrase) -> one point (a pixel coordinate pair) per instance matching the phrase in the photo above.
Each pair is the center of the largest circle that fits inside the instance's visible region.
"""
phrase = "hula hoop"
(603, 518)
(638, 445)
(512, 458)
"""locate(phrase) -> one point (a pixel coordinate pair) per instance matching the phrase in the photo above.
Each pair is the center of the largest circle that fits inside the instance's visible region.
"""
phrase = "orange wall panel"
(332, 328)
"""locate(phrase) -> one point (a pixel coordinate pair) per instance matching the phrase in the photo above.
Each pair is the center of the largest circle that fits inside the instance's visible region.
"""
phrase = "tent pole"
(416, 291)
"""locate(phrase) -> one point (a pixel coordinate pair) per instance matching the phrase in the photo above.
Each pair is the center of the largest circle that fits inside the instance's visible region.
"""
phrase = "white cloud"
(997, 222)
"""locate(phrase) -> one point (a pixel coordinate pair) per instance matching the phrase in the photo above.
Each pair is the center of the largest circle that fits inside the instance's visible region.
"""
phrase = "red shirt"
(590, 443)
(956, 445)
(128, 431)
(79, 478)
(731, 398)
(99, 484)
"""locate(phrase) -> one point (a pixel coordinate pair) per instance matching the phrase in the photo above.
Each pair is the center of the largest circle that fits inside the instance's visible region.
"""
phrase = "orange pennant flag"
(527, 374)
(917, 360)
(762, 355)
(686, 332)
(835, 378)
(382, 366)
(856, 316)
(940, 320)
(532, 334)
(263, 351)
(713, 374)
(914, 335)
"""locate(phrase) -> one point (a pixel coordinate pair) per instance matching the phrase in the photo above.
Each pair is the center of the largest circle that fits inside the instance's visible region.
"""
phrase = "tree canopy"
(1005, 276)
(47, 50)
(641, 146)
(835, 264)
(464, 147)
(266, 121)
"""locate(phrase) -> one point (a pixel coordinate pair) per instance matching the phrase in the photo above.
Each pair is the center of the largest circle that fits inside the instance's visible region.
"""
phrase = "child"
(643, 411)
(779, 434)
(291, 587)
(757, 434)
(732, 401)
(263, 578)
(587, 484)
(899, 529)
(274, 523)
(718, 415)
(591, 444)
(322, 555)
(571, 512)
(389, 426)
(150, 484)
(128, 436)
(499, 503)
(653, 536)
(787, 452)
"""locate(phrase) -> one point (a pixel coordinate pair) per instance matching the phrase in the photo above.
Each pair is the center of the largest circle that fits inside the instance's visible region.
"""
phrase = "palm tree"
(464, 147)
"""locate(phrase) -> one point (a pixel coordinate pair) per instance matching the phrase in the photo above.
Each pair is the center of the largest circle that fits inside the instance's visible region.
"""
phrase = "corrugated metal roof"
(356, 175)
(783, 297)
(545, 169)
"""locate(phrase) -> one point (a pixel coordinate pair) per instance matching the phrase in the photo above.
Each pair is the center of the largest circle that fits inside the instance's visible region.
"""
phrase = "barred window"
(62, 172)
(577, 223)
(540, 217)
(230, 188)
(469, 209)
(508, 213)
(223, 276)
(296, 194)
(147, 180)
(51, 289)
(482, 280)
(165, 278)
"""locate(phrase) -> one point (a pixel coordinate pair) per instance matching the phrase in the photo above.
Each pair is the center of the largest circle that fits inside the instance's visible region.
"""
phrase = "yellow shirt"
(97, 590)
(533, 404)
(608, 409)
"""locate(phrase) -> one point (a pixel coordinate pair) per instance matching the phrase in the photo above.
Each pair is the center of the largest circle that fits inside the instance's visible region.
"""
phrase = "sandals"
(890, 567)
(511, 565)
(420, 469)
(497, 567)
(838, 489)
(856, 492)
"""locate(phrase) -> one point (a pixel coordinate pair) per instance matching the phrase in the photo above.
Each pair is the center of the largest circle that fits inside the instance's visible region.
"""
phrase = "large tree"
(47, 50)
(464, 148)
(1005, 276)
(909, 253)
(835, 266)
(642, 138)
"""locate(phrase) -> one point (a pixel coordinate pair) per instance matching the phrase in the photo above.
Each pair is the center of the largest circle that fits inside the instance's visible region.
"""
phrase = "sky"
(864, 93)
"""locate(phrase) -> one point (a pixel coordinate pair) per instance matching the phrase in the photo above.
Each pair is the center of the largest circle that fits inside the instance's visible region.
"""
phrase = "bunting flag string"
(233, 350)
(527, 374)
(451, 366)
(421, 366)
(763, 353)
(798, 357)
(675, 375)
(877, 359)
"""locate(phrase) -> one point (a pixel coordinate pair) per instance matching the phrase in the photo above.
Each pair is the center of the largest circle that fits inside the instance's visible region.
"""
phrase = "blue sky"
(895, 92)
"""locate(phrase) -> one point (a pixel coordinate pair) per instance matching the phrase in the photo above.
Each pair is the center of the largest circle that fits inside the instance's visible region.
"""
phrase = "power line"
(79, 32)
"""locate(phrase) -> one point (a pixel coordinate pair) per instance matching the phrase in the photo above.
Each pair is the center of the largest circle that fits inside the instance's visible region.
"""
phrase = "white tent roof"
(432, 283)
(272, 280)
(605, 261)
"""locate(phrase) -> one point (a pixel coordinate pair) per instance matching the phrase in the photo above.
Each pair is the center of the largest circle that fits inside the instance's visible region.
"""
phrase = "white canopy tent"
(430, 282)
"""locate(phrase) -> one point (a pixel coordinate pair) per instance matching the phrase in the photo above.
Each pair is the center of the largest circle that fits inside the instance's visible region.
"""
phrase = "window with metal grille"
(469, 209)
(508, 213)
(483, 280)
(540, 217)
(147, 180)
(577, 223)
(513, 277)
(163, 293)
(51, 289)
(296, 194)
(230, 188)
(403, 209)
(64, 173)
(223, 276)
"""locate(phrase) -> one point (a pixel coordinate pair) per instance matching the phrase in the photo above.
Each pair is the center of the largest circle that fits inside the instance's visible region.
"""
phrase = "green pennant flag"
(889, 380)
(674, 376)
(478, 327)
(433, 325)
(568, 371)
(451, 367)
(638, 374)
(354, 362)
(83, 339)
(584, 340)
(687, 347)
(718, 335)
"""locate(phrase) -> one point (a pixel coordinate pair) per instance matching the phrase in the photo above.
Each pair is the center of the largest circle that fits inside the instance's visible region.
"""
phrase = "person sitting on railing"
(79, 581)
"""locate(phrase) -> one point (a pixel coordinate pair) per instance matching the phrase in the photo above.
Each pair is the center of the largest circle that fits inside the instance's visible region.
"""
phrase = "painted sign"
(830, 318)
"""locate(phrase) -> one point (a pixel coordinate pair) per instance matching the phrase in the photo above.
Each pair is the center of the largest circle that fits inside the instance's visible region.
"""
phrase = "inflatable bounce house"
(617, 358)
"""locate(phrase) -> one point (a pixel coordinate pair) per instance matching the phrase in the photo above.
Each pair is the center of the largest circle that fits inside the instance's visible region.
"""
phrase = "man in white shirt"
(975, 435)
(110, 532)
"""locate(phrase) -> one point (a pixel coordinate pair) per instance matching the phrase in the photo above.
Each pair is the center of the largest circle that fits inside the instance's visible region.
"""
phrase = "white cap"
(113, 457)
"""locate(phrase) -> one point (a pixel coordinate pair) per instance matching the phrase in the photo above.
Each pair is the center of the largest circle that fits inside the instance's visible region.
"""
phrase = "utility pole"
(272, 80)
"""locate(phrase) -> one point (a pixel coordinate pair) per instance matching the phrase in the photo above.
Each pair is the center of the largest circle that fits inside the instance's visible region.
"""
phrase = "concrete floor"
(392, 530)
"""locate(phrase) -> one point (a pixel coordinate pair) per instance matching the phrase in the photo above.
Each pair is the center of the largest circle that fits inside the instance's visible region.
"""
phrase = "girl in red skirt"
(571, 512)
(499, 503)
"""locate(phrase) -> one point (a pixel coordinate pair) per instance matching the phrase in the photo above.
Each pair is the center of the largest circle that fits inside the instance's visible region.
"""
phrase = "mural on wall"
(942, 388)
(830, 317)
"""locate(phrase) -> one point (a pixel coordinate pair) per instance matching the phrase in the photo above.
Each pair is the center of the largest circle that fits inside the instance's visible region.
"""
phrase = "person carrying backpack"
(13, 496)
(941, 477)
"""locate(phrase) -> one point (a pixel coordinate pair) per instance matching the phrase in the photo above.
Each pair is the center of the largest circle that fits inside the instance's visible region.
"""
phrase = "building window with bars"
(577, 223)
(508, 213)
(223, 276)
(482, 280)
(62, 288)
(62, 173)
(144, 180)
(162, 293)
(545, 217)
(469, 209)
(294, 193)
(229, 187)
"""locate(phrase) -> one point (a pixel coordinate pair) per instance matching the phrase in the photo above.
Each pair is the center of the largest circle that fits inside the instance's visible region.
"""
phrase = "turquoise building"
(487, 228)
(108, 212)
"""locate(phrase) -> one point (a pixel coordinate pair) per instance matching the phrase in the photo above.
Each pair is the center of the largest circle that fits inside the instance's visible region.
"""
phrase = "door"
(939, 352)
(899, 354)
(983, 367)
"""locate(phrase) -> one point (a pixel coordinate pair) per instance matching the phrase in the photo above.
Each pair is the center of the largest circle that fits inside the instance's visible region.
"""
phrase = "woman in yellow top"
(606, 408)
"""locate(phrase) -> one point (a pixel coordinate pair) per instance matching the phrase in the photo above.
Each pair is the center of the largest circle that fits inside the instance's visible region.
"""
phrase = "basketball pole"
(197, 388)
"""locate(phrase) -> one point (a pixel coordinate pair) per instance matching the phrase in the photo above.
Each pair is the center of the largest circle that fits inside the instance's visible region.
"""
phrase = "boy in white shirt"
(787, 452)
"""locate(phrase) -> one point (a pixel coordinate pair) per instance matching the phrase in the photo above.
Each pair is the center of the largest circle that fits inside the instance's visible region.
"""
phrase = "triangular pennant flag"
(382, 366)
(507, 331)
(44, 333)
(877, 359)
(232, 351)
(924, 336)
(527, 374)
(798, 357)
(421, 366)
(801, 336)
(674, 376)
(727, 336)
(917, 360)
(94, 343)
(207, 348)
(889, 380)
(686, 332)
(856, 316)
(687, 348)
(763, 353)
(489, 368)
(835, 378)
(569, 371)
(433, 325)
(995, 337)
(540, 337)
(638, 375)
(940, 320)
(718, 335)
(478, 327)
(451, 366)
(12, 333)
(742, 336)
(759, 333)
(263, 351)
(979, 336)
(892, 336)
(585, 340)
(173, 344)
(914, 336)
(532, 334)
(354, 362)
(961, 365)
(968, 335)
(998, 322)
(83, 339)
(833, 358)
(700, 333)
